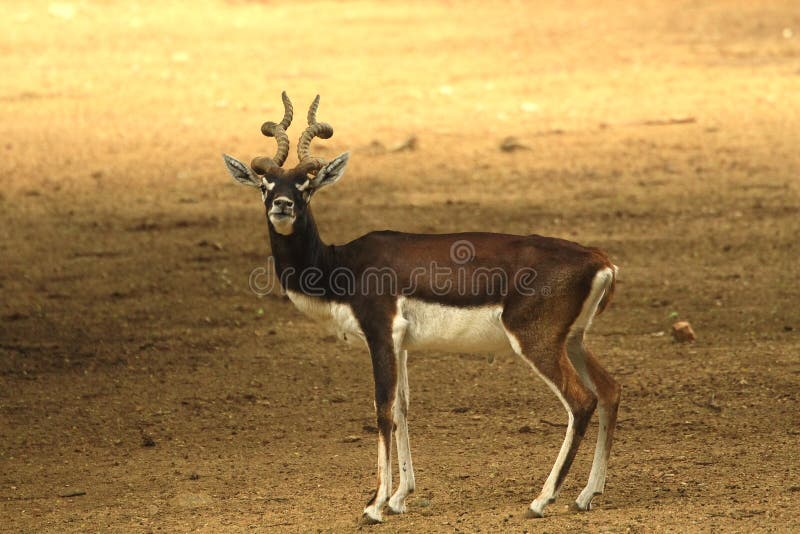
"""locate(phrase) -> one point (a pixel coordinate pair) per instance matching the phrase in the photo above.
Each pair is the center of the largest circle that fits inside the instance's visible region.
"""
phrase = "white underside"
(419, 324)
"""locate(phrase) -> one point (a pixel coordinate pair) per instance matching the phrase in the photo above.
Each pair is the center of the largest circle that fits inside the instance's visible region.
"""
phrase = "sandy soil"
(138, 370)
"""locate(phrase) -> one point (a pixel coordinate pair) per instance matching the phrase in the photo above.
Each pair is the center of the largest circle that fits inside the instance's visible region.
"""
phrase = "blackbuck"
(469, 292)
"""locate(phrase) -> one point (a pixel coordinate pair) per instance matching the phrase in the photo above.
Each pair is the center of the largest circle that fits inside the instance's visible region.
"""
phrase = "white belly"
(418, 325)
(453, 329)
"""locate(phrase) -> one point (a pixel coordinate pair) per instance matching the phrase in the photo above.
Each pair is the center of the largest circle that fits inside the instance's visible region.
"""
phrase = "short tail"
(609, 292)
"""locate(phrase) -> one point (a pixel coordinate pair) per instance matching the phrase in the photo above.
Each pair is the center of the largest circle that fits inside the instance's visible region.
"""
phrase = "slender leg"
(608, 395)
(397, 504)
(553, 366)
(385, 374)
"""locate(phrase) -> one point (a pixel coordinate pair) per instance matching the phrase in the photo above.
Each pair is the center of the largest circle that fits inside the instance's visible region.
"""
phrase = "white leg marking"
(597, 476)
(549, 493)
(397, 503)
(374, 510)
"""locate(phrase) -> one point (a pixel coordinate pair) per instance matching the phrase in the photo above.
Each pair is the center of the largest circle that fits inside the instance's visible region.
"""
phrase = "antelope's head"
(287, 193)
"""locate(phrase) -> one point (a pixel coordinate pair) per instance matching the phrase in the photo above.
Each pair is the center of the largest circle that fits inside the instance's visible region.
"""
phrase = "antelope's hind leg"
(540, 340)
(553, 366)
(600, 382)
(608, 395)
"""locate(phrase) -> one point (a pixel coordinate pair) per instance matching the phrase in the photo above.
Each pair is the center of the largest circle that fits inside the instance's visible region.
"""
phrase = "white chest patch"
(337, 316)
(433, 326)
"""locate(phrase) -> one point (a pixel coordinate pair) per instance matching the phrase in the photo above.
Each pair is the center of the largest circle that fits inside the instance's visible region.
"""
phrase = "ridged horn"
(263, 164)
(323, 130)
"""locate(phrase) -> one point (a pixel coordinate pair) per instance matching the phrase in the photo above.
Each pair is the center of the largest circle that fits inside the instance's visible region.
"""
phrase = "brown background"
(126, 249)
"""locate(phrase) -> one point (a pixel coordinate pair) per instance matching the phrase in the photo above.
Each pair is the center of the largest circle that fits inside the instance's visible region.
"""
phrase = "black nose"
(283, 203)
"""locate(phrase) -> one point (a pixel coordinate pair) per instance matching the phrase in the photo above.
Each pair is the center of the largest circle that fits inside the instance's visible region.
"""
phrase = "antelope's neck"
(300, 252)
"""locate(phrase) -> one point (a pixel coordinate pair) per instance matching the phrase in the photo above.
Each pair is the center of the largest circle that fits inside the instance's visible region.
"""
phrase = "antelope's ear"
(241, 172)
(331, 172)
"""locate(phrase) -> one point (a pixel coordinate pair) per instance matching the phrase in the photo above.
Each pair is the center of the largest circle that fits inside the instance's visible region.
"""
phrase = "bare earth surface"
(140, 372)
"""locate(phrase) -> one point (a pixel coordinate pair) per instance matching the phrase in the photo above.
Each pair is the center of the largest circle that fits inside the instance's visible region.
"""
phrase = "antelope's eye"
(263, 188)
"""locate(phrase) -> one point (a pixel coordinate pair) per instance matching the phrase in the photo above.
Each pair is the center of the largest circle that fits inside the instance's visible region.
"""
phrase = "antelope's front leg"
(384, 369)
(397, 503)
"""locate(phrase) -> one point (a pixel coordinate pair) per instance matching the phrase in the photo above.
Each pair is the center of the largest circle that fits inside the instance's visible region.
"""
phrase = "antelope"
(530, 295)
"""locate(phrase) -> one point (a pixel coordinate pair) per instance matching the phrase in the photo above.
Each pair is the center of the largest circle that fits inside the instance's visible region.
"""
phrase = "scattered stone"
(512, 144)
(147, 440)
(351, 439)
(460, 409)
(669, 121)
(525, 429)
(410, 144)
(210, 244)
(682, 332)
(194, 476)
(72, 493)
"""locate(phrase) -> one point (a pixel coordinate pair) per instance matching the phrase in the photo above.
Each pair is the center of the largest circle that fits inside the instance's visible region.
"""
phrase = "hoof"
(584, 501)
(532, 514)
(367, 519)
(391, 510)
(575, 507)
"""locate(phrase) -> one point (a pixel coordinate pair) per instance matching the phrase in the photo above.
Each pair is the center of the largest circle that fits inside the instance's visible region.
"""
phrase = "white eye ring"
(266, 185)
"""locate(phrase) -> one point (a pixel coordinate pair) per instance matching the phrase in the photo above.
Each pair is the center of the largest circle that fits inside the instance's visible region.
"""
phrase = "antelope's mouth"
(281, 215)
(282, 221)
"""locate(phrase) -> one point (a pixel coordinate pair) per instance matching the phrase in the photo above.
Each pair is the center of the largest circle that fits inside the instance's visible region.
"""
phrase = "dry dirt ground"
(138, 370)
